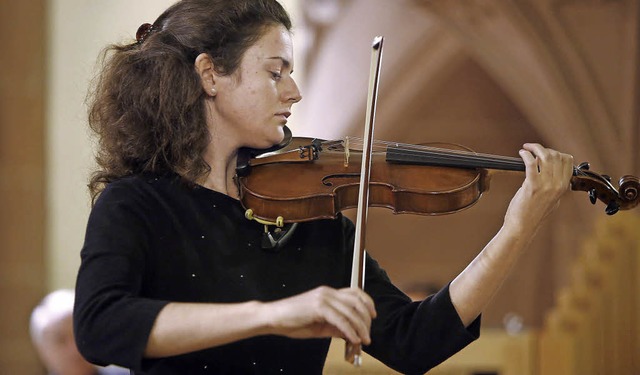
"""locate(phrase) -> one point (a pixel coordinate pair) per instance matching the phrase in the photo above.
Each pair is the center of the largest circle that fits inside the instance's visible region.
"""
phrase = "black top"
(153, 239)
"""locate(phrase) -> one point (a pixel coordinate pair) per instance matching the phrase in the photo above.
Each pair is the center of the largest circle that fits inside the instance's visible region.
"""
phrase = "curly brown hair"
(147, 104)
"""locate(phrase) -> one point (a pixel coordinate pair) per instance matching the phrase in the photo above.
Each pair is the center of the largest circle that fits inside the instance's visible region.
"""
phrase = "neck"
(221, 155)
(222, 160)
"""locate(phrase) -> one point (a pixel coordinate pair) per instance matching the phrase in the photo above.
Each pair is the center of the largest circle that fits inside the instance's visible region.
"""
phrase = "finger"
(364, 301)
(530, 163)
(367, 301)
(567, 171)
(550, 163)
(567, 163)
(353, 306)
(362, 309)
(337, 310)
(556, 164)
(338, 319)
(542, 155)
(534, 148)
(555, 167)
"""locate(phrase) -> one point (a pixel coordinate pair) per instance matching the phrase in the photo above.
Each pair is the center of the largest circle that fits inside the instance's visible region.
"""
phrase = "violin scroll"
(600, 188)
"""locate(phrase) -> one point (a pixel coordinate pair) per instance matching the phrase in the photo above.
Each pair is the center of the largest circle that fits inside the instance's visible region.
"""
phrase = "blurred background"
(486, 74)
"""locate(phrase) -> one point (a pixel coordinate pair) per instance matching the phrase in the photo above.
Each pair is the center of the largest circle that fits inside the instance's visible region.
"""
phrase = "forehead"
(275, 41)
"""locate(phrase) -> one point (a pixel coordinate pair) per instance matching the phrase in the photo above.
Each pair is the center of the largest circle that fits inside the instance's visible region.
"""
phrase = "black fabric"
(154, 239)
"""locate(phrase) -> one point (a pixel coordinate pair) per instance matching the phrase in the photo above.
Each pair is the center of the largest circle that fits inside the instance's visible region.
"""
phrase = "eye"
(276, 75)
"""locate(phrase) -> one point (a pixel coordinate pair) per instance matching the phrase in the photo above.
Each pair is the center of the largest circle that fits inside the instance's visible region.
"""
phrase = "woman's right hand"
(324, 312)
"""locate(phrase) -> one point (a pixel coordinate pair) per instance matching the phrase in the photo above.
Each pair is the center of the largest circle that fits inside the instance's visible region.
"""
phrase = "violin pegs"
(584, 165)
(612, 208)
(593, 196)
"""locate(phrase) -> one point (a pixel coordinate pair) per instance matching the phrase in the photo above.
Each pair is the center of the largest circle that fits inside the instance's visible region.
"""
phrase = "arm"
(322, 312)
(413, 337)
(547, 178)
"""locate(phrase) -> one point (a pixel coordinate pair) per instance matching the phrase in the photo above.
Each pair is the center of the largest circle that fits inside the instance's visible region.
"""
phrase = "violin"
(429, 179)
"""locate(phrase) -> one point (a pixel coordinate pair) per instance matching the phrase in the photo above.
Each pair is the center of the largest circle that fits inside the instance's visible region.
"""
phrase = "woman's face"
(251, 105)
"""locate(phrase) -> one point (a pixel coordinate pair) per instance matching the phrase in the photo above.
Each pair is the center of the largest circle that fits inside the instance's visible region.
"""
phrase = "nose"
(292, 92)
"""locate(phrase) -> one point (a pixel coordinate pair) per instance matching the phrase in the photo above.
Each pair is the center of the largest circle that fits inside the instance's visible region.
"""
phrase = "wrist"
(517, 233)
(263, 315)
(275, 317)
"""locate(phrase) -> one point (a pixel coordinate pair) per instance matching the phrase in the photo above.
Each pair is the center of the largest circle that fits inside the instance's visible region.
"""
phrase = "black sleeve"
(413, 337)
(111, 322)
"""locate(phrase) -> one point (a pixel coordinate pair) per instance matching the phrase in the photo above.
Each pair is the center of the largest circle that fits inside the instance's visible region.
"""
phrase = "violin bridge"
(346, 152)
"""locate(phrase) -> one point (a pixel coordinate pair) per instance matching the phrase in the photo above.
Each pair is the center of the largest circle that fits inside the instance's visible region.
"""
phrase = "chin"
(275, 137)
(267, 140)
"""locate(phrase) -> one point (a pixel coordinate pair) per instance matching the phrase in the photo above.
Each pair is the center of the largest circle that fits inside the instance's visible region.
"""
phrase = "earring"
(213, 91)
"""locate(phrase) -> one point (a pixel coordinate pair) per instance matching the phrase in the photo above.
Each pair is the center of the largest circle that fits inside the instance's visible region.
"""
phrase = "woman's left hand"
(548, 175)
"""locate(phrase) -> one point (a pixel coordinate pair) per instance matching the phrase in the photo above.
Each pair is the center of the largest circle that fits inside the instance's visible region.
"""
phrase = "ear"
(205, 69)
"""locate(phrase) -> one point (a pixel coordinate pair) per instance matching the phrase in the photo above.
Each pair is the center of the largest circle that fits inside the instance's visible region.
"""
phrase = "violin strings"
(456, 153)
(434, 153)
(440, 153)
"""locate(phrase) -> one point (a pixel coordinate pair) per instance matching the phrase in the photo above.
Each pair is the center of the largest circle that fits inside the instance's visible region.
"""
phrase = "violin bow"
(353, 353)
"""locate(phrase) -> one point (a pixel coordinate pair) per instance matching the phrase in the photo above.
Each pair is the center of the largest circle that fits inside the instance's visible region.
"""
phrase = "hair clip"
(143, 32)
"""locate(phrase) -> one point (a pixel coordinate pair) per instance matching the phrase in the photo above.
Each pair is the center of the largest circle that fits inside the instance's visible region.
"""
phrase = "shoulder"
(133, 207)
(140, 196)
(136, 183)
(140, 187)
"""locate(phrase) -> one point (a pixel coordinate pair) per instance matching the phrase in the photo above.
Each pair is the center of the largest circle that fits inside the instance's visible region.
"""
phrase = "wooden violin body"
(312, 179)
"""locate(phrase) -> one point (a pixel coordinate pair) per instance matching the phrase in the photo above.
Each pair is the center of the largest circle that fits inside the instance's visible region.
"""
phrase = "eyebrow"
(286, 63)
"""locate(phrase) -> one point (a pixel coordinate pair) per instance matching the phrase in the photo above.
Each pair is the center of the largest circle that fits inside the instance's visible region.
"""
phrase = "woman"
(173, 279)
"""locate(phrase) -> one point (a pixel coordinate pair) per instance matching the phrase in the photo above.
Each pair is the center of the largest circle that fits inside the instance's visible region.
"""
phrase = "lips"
(286, 114)
(283, 116)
